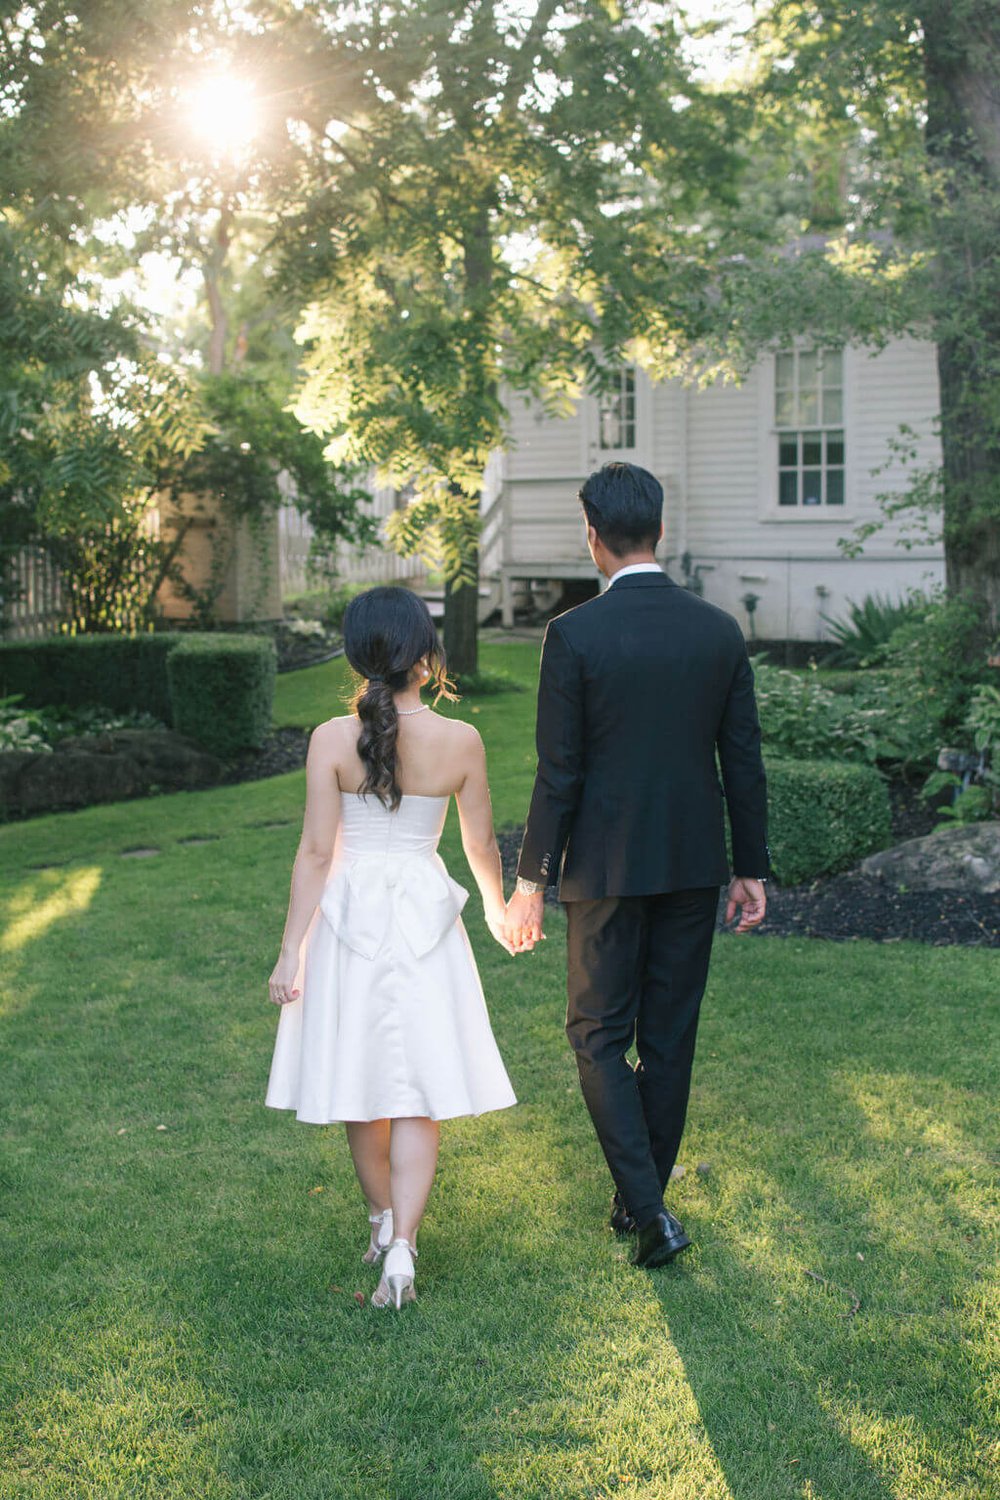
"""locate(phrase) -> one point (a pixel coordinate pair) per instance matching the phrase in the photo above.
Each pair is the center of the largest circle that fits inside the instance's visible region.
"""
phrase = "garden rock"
(956, 859)
(108, 767)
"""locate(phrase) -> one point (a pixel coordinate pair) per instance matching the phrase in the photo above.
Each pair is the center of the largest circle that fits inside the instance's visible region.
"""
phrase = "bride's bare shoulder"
(459, 733)
(462, 746)
(333, 734)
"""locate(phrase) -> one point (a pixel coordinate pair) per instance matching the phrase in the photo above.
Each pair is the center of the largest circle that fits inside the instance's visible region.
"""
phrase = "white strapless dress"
(391, 1019)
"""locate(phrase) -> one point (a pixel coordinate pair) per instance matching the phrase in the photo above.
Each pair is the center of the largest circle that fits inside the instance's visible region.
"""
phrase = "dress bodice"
(367, 826)
(387, 876)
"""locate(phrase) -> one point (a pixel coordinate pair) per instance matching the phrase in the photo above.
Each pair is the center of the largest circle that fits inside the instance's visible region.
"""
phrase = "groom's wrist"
(528, 887)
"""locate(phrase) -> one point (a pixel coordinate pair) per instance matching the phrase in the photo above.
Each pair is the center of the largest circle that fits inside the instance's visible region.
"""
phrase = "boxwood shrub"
(121, 672)
(222, 690)
(824, 816)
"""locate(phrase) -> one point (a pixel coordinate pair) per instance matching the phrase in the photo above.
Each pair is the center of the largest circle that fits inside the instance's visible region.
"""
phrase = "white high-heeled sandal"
(380, 1238)
(398, 1274)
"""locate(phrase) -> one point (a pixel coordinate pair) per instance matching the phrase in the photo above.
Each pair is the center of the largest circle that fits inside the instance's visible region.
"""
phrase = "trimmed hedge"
(222, 690)
(824, 817)
(121, 672)
(220, 696)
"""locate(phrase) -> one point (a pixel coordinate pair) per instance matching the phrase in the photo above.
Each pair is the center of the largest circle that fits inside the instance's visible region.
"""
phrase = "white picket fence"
(354, 564)
(35, 606)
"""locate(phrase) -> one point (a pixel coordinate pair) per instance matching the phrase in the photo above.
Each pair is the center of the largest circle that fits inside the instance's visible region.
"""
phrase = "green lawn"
(177, 1302)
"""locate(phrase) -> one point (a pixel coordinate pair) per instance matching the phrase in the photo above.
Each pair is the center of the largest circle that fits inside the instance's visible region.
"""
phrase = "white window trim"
(593, 456)
(768, 509)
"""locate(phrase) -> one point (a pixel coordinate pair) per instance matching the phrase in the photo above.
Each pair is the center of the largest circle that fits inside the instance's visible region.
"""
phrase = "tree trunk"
(461, 626)
(461, 605)
(961, 65)
(212, 272)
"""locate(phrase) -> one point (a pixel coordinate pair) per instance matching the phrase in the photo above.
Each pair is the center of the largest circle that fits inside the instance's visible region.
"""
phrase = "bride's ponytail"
(375, 707)
(387, 630)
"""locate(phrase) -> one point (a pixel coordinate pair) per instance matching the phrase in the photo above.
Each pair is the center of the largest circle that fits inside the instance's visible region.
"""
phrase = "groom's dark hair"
(624, 504)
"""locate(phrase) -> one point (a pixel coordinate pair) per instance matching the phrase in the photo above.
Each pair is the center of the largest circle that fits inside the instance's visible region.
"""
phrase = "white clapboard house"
(760, 481)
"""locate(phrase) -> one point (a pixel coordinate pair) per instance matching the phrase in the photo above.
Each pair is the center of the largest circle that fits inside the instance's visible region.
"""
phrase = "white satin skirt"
(391, 1020)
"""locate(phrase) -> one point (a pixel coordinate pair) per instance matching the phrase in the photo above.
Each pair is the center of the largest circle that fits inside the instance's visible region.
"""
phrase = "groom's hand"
(750, 898)
(524, 920)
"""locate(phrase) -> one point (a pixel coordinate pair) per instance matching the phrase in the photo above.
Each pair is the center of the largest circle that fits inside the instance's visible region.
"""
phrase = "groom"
(639, 690)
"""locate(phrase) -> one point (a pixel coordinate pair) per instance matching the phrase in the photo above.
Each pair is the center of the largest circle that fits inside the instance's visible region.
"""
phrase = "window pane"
(808, 369)
(835, 487)
(784, 409)
(812, 486)
(833, 367)
(812, 447)
(616, 409)
(808, 406)
(784, 371)
(788, 450)
(833, 406)
(835, 447)
(788, 487)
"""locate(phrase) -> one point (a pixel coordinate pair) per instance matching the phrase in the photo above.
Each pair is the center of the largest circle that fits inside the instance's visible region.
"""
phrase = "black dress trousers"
(637, 967)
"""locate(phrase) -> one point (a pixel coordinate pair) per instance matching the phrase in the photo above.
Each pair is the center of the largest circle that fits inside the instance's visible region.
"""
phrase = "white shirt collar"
(634, 568)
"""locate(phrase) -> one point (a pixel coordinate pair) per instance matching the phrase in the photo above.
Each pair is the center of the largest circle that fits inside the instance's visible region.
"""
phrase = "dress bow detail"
(374, 893)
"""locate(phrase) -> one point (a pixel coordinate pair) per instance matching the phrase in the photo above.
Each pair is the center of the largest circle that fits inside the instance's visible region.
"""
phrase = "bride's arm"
(475, 816)
(312, 860)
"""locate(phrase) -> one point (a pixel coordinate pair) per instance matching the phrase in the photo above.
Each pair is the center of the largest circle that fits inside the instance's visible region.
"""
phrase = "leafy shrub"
(306, 630)
(824, 817)
(62, 721)
(20, 728)
(983, 723)
(802, 719)
(120, 672)
(869, 626)
(107, 681)
(43, 728)
(844, 681)
(222, 690)
(935, 662)
(325, 605)
(972, 803)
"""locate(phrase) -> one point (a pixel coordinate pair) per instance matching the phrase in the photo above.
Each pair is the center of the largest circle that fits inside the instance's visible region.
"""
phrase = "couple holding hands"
(645, 695)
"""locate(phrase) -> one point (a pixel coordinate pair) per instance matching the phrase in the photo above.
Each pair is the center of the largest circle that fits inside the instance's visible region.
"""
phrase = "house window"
(616, 408)
(809, 417)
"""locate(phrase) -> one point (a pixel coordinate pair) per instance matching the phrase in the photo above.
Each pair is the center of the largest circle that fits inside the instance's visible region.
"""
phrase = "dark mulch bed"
(911, 816)
(851, 906)
(283, 750)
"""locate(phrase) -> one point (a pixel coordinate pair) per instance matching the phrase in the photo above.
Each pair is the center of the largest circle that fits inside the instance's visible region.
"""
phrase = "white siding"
(742, 544)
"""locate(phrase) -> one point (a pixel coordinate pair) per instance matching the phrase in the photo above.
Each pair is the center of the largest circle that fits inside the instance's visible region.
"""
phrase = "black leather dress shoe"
(659, 1241)
(622, 1221)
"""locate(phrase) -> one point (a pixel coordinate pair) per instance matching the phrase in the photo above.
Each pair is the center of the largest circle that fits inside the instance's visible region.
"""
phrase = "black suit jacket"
(639, 690)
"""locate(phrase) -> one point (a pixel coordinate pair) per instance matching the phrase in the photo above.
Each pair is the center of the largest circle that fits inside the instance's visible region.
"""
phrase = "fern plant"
(869, 626)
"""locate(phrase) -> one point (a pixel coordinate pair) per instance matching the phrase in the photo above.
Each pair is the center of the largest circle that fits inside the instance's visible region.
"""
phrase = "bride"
(383, 1022)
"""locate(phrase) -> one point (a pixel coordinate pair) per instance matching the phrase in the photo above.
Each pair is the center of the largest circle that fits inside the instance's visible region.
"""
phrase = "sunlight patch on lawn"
(617, 1414)
(908, 1459)
(916, 1122)
(909, 1111)
(45, 901)
(118, 1410)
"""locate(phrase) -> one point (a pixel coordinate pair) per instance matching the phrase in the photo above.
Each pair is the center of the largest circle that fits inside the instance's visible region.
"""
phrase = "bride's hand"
(279, 986)
(495, 922)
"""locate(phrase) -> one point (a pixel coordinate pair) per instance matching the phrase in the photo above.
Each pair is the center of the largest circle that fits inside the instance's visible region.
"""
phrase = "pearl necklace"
(402, 712)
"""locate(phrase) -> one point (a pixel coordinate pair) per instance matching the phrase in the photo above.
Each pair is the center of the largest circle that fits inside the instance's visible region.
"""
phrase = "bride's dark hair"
(387, 630)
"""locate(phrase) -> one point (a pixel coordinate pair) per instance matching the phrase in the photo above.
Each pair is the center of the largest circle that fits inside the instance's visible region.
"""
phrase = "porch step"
(489, 601)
